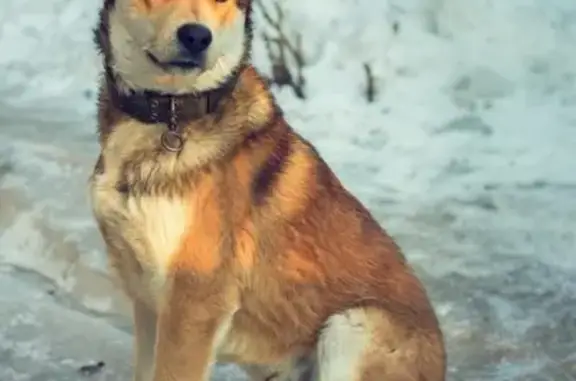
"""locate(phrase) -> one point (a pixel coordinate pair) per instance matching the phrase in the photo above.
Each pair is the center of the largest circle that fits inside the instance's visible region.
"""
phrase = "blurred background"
(453, 120)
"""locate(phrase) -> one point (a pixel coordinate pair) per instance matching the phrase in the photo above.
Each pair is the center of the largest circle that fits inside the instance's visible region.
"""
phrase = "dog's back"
(236, 242)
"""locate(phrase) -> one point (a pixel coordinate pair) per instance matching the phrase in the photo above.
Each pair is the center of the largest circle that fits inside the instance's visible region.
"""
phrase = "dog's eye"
(221, 1)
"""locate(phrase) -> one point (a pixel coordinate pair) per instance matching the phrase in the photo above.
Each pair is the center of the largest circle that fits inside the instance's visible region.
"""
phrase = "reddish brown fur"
(224, 11)
(273, 246)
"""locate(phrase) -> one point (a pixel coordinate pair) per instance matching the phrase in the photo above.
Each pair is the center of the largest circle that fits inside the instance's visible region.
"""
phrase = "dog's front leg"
(144, 340)
(192, 321)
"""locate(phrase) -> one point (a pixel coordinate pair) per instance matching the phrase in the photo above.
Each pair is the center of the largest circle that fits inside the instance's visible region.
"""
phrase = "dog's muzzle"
(193, 42)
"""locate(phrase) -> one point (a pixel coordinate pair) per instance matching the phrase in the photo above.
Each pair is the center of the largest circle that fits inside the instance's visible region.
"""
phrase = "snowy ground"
(467, 157)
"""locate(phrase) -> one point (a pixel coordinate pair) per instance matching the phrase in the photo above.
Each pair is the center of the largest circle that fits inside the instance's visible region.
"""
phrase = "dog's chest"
(142, 233)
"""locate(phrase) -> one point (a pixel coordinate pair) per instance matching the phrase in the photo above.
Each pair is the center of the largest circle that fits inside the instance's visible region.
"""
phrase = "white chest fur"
(142, 232)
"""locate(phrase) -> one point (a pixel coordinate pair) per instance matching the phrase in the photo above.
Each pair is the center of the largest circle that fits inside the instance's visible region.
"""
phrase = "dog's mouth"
(182, 62)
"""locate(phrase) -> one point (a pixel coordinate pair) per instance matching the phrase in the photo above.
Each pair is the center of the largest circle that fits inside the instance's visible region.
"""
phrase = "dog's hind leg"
(368, 344)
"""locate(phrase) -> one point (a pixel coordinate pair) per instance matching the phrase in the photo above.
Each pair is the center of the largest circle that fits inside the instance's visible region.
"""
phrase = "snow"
(466, 157)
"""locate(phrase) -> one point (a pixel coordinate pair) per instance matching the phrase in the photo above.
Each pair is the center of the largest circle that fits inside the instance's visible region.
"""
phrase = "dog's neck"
(154, 107)
(172, 110)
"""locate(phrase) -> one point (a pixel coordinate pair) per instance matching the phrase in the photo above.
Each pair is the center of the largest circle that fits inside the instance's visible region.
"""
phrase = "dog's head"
(174, 46)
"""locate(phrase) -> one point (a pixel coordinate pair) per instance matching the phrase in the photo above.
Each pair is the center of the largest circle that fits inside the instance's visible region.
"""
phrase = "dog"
(232, 237)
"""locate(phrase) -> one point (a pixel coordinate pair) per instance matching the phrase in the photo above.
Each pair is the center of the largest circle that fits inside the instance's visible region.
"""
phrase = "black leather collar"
(173, 110)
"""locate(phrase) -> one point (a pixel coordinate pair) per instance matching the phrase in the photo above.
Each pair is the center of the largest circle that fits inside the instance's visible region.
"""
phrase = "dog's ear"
(109, 4)
(244, 4)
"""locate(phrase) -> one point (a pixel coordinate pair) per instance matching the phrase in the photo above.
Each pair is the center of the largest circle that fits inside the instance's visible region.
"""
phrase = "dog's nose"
(195, 38)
